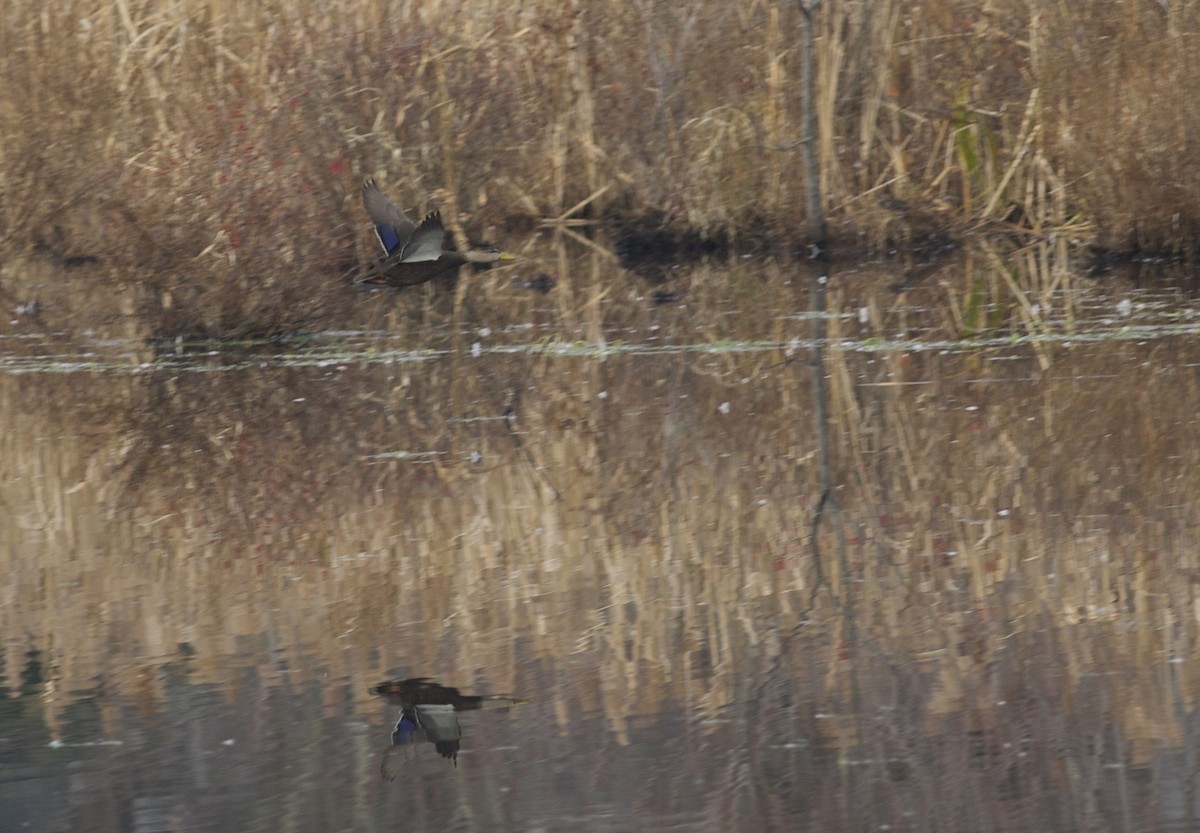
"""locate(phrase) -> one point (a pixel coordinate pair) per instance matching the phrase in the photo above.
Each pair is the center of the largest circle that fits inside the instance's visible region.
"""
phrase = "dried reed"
(209, 152)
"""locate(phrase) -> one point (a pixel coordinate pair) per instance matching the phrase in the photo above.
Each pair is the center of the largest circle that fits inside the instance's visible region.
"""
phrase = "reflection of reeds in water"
(639, 543)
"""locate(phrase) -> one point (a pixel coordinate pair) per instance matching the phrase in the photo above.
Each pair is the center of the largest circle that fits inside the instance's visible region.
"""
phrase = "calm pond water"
(595, 508)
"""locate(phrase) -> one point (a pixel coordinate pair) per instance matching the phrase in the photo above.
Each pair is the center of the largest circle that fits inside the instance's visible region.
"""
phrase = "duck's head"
(486, 254)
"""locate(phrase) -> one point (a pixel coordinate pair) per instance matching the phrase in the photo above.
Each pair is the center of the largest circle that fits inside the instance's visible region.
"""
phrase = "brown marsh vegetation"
(197, 163)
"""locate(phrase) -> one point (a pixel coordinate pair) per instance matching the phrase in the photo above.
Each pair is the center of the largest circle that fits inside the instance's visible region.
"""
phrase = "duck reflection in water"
(429, 711)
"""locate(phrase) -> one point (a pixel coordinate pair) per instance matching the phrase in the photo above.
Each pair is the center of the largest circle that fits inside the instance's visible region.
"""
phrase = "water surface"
(602, 505)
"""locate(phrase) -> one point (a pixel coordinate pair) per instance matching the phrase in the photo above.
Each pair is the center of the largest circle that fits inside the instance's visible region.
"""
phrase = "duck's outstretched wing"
(425, 243)
(392, 226)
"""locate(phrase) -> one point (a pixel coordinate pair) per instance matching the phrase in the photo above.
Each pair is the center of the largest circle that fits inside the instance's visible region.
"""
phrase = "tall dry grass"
(205, 154)
(1117, 78)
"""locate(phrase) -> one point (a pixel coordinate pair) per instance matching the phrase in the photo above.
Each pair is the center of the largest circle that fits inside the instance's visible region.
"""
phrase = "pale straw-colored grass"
(230, 138)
